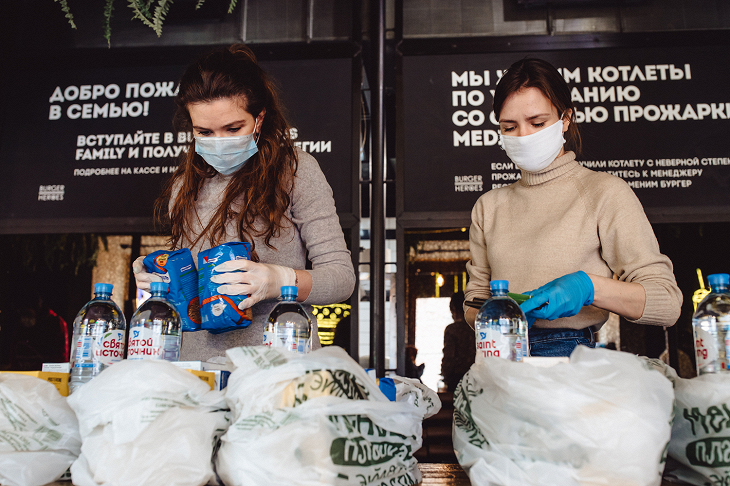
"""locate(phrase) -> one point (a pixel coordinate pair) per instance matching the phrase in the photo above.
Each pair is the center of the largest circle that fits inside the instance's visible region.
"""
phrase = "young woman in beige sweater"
(573, 238)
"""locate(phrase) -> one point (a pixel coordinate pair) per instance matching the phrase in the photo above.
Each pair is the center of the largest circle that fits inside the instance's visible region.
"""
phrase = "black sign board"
(658, 118)
(90, 149)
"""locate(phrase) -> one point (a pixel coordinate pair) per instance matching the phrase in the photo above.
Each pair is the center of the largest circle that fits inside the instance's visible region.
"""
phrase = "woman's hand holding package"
(563, 297)
(260, 280)
(142, 276)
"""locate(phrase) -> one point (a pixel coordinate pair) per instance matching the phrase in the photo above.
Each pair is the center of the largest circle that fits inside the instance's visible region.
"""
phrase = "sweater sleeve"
(631, 250)
(314, 214)
(478, 268)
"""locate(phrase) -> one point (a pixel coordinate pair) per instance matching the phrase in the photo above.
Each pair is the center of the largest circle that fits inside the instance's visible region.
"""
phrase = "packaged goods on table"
(603, 418)
(318, 419)
(39, 433)
(220, 313)
(146, 423)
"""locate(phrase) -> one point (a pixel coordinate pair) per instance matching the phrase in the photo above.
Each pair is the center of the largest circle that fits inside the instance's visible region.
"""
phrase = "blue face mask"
(227, 154)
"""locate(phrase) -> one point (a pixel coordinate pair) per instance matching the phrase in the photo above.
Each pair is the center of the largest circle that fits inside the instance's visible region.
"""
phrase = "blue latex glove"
(565, 297)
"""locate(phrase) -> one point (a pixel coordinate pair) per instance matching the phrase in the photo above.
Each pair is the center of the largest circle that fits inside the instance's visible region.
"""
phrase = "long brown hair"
(261, 187)
(540, 74)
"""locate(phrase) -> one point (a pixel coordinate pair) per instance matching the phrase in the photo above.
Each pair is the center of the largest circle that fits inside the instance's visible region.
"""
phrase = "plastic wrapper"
(39, 433)
(220, 313)
(602, 419)
(318, 419)
(147, 423)
(178, 269)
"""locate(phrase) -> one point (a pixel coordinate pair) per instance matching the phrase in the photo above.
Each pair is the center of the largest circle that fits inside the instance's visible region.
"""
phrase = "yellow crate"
(59, 380)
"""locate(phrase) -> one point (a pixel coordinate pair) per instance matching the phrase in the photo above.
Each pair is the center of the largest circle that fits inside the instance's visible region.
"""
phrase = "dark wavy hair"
(540, 74)
(262, 186)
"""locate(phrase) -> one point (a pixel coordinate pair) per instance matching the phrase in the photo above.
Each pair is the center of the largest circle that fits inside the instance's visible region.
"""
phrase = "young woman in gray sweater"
(243, 180)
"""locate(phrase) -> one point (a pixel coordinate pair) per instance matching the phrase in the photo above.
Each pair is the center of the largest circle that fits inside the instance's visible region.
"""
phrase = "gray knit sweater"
(316, 235)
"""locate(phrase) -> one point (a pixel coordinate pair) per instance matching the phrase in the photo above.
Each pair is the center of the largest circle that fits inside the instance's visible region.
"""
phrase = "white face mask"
(532, 153)
(227, 154)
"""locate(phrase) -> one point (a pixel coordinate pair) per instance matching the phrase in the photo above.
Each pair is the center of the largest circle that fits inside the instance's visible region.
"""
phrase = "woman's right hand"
(142, 276)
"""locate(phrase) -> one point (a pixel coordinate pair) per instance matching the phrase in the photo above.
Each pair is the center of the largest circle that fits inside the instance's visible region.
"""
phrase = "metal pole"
(377, 204)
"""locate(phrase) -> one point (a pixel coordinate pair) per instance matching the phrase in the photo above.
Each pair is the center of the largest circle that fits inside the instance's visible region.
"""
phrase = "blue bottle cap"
(718, 280)
(103, 288)
(159, 287)
(499, 285)
(289, 291)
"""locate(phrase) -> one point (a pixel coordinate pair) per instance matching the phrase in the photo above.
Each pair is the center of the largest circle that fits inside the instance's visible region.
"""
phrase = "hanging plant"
(151, 13)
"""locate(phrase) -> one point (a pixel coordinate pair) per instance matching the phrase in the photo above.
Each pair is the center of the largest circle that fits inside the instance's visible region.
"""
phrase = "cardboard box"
(57, 367)
(206, 376)
(60, 380)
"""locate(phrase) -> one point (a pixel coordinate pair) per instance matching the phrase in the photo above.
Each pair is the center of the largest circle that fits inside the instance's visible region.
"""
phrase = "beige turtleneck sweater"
(564, 219)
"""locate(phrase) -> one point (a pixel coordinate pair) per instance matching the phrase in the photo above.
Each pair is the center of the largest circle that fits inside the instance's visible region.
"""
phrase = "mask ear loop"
(257, 136)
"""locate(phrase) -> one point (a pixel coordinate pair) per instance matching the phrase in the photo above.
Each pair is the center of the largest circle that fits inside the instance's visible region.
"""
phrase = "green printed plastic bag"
(318, 419)
(603, 419)
(701, 431)
(39, 433)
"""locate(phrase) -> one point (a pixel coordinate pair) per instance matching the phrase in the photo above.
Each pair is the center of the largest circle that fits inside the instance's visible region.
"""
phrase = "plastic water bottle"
(711, 326)
(154, 331)
(501, 326)
(289, 326)
(98, 339)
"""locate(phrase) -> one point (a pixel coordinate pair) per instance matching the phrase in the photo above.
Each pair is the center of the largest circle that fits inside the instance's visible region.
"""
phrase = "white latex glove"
(142, 276)
(260, 280)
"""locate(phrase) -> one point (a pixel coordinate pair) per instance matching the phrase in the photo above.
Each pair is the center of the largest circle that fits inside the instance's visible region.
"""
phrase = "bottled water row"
(155, 331)
(501, 327)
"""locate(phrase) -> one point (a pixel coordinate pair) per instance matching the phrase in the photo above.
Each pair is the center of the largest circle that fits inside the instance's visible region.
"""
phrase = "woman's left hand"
(260, 280)
(563, 297)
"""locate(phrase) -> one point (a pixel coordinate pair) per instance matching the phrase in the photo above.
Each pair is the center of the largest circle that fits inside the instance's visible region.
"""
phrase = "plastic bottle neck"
(102, 296)
(159, 294)
(499, 292)
(719, 289)
(288, 298)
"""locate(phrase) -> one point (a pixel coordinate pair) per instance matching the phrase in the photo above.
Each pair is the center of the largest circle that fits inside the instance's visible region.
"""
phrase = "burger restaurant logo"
(468, 183)
(51, 193)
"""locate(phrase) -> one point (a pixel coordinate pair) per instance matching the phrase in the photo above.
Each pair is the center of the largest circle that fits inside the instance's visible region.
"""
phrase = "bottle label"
(706, 342)
(492, 343)
(109, 347)
(303, 346)
(83, 352)
(144, 343)
(269, 337)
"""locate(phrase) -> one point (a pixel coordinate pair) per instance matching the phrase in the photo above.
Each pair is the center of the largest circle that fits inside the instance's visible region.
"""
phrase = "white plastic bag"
(39, 434)
(701, 431)
(318, 419)
(147, 423)
(603, 419)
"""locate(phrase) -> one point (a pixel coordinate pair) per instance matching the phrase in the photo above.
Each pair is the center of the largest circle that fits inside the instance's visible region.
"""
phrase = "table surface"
(433, 475)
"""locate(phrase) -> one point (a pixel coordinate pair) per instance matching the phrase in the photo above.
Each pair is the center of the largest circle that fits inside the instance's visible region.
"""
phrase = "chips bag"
(178, 269)
(220, 313)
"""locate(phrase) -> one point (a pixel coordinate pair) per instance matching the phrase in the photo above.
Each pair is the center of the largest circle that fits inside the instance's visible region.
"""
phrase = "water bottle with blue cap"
(154, 331)
(289, 327)
(501, 326)
(711, 327)
(98, 339)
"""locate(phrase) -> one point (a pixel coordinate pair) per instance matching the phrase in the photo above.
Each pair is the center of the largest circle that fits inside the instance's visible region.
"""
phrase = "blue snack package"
(220, 313)
(178, 269)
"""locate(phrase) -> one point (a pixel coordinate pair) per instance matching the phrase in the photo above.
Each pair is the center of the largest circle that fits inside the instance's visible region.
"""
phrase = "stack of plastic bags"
(604, 418)
(318, 419)
(147, 423)
(39, 435)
